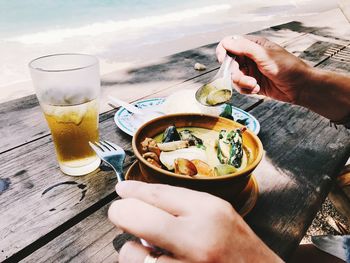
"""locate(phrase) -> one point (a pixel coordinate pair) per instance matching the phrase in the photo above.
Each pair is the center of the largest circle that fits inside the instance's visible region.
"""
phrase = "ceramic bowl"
(226, 187)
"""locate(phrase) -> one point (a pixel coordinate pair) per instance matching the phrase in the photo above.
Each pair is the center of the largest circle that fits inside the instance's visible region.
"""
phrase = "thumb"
(242, 46)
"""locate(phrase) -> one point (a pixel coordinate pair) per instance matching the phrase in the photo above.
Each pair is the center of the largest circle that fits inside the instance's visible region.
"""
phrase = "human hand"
(193, 226)
(264, 67)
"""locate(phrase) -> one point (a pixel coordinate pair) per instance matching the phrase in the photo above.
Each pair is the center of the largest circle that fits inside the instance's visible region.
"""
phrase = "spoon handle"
(129, 107)
(226, 70)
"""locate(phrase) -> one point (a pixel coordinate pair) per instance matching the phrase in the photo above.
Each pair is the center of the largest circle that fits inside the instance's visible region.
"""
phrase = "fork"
(114, 156)
(111, 154)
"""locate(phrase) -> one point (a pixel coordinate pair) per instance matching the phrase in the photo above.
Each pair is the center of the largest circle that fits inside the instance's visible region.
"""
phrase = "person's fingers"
(243, 47)
(246, 91)
(256, 89)
(133, 252)
(146, 221)
(220, 52)
(258, 40)
(165, 197)
(246, 65)
(234, 67)
(246, 82)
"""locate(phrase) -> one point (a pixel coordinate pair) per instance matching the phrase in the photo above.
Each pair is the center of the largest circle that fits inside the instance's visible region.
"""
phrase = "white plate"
(129, 122)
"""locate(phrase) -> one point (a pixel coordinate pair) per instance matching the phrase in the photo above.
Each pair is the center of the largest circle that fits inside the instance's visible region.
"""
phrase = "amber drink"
(70, 111)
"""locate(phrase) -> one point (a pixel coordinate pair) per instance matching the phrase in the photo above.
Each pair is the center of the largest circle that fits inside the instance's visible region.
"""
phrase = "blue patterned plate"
(129, 122)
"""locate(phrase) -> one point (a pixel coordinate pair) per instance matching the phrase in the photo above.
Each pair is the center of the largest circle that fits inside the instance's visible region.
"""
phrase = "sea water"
(32, 16)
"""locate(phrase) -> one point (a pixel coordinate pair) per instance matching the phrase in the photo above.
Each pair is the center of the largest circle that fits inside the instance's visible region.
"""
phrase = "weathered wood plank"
(94, 239)
(331, 25)
(28, 180)
(27, 213)
(320, 51)
(76, 246)
(312, 48)
(338, 62)
(302, 155)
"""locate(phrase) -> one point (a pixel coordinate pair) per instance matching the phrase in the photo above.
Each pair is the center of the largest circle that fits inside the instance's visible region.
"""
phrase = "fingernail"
(121, 187)
(235, 37)
(235, 76)
(252, 83)
(256, 89)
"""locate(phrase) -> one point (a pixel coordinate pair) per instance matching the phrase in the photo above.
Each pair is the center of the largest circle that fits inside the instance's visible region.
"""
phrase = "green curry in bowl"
(197, 152)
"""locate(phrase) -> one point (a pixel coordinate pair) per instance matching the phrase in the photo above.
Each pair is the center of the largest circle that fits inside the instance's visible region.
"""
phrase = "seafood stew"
(197, 152)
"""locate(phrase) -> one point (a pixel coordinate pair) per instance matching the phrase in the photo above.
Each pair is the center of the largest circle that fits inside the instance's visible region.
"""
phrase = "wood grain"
(76, 246)
(320, 51)
(303, 155)
(338, 62)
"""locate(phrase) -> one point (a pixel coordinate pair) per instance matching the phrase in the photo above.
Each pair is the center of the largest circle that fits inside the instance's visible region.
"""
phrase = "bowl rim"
(244, 171)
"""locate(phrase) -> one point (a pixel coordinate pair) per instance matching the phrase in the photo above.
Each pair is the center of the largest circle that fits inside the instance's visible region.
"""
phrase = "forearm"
(326, 93)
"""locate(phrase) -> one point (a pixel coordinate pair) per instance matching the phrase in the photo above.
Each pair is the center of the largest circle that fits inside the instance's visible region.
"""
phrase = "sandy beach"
(122, 44)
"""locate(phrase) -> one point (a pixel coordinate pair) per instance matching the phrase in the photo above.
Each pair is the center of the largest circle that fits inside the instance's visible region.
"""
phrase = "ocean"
(22, 18)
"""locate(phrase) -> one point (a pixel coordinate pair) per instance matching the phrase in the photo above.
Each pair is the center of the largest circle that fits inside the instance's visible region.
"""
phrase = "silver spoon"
(143, 113)
(129, 107)
(219, 90)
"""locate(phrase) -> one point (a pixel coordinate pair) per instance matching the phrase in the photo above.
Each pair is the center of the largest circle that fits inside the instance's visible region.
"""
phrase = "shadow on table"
(295, 26)
(179, 66)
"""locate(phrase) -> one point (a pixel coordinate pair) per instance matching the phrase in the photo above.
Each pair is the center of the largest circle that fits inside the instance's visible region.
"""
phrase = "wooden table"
(69, 223)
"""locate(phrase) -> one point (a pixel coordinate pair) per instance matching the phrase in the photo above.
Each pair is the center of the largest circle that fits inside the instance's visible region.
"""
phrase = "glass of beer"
(68, 88)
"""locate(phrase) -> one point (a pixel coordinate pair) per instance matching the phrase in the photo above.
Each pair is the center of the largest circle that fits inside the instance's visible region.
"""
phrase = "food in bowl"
(228, 187)
(197, 152)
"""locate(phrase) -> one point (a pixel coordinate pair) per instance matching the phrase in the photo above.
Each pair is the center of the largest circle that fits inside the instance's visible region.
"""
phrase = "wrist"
(308, 86)
(325, 93)
(267, 254)
(260, 252)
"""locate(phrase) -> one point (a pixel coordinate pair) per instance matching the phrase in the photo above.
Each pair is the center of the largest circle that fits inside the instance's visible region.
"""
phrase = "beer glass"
(68, 87)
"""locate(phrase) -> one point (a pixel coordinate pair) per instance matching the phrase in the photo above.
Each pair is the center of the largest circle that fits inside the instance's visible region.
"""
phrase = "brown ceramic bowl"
(226, 187)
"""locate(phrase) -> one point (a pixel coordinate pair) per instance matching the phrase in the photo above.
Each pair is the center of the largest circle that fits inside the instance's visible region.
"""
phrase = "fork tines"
(103, 146)
(112, 145)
